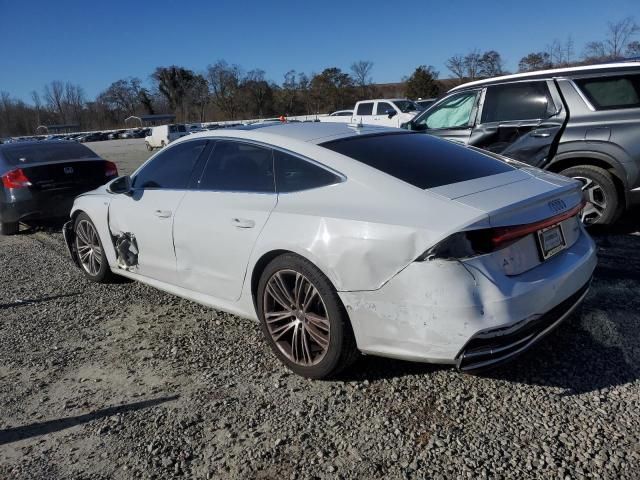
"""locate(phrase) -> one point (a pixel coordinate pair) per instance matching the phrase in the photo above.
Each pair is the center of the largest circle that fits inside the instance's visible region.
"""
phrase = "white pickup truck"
(386, 112)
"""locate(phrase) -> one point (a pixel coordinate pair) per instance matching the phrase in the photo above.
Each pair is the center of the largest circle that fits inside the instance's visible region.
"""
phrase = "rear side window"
(171, 168)
(517, 101)
(365, 109)
(612, 92)
(294, 174)
(17, 154)
(420, 160)
(382, 107)
(239, 167)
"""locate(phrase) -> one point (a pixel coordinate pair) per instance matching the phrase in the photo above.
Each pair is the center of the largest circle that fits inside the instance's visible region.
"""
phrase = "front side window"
(171, 168)
(294, 174)
(383, 107)
(453, 112)
(238, 167)
(517, 101)
(365, 109)
(612, 92)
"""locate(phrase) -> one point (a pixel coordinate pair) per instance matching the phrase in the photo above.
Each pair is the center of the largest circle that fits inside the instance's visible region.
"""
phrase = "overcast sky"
(96, 43)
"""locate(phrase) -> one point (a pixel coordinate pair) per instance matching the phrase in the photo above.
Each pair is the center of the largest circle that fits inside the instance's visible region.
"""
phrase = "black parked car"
(582, 122)
(39, 180)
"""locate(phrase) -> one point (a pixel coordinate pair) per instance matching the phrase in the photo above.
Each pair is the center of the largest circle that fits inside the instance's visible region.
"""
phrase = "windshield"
(406, 106)
(17, 154)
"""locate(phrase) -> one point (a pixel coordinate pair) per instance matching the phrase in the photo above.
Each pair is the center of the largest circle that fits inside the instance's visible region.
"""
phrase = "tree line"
(226, 91)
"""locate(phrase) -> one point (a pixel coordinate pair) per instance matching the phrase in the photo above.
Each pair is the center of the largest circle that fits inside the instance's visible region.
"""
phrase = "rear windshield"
(612, 92)
(41, 152)
(421, 160)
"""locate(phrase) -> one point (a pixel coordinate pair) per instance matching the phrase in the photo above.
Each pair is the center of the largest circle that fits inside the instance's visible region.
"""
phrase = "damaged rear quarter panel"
(358, 239)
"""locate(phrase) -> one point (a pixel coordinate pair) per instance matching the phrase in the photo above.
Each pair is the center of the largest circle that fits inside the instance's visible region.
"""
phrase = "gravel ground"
(123, 381)
(129, 154)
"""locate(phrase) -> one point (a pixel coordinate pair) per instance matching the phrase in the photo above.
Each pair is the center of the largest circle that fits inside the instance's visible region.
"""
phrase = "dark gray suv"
(582, 122)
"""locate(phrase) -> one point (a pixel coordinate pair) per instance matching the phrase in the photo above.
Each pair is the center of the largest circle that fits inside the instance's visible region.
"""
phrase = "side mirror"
(391, 113)
(120, 185)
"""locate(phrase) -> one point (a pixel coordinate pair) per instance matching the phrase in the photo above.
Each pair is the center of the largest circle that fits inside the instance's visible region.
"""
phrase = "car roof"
(311, 132)
(554, 72)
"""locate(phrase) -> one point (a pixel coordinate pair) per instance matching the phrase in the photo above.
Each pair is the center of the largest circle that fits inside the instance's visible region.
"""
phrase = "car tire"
(162, 144)
(322, 325)
(9, 228)
(149, 147)
(93, 262)
(603, 203)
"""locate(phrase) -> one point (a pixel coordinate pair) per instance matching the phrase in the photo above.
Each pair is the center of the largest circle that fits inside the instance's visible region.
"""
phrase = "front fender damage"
(69, 235)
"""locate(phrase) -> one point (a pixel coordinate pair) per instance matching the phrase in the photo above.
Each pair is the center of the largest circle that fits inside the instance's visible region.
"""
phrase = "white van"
(164, 135)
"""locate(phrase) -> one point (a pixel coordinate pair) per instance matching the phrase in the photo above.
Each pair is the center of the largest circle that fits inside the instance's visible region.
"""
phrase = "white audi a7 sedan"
(342, 239)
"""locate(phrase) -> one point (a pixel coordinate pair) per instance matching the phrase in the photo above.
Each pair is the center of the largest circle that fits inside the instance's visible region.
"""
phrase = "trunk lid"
(517, 197)
(77, 175)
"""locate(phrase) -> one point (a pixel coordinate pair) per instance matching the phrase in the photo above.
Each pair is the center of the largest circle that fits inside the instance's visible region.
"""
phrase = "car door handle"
(162, 213)
(243, 223)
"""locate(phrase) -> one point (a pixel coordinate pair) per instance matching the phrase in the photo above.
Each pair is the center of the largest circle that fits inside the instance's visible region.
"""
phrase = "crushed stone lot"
(123, 381)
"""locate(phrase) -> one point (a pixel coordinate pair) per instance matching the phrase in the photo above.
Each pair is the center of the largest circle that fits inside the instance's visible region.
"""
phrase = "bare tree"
(465, 67)
(619, 34)
(534, 61)
(290, 91)
(456, 65)
(54, 96)
(74, 100)
(361, 73)
(619, 37)
(224, 81)
(258, 90)
(490, 64)
(37, 103)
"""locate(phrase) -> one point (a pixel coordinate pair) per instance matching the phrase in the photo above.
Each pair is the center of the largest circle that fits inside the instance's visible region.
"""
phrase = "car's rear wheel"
(163, 144)
(303, 318)
(90, 251)
(600, 193)
(9, 228)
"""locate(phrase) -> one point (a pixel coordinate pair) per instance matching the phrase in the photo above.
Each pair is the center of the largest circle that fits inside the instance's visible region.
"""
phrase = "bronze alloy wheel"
(296, 317)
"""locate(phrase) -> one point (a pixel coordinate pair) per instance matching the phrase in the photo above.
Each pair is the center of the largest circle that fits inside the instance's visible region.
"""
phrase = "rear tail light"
(110, 169)
(15, 179)
(478, 242)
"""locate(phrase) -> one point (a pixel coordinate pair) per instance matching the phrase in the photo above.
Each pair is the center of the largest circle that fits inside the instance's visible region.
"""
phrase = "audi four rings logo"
(68, 170)
(557, 205)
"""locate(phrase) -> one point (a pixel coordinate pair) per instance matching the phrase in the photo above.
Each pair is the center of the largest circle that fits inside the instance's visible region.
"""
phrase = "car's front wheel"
(90, 252)
(149, 147)
(303, 318)
(600, 193)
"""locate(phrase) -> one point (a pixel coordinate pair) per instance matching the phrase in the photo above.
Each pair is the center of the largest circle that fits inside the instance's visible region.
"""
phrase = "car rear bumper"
(38, 206)
(432, 311)
(490, 348)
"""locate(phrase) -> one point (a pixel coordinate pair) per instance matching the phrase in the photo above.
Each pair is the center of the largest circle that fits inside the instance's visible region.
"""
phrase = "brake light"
(504, 235)
(15, 179)
(110, 169)
(478, 242)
